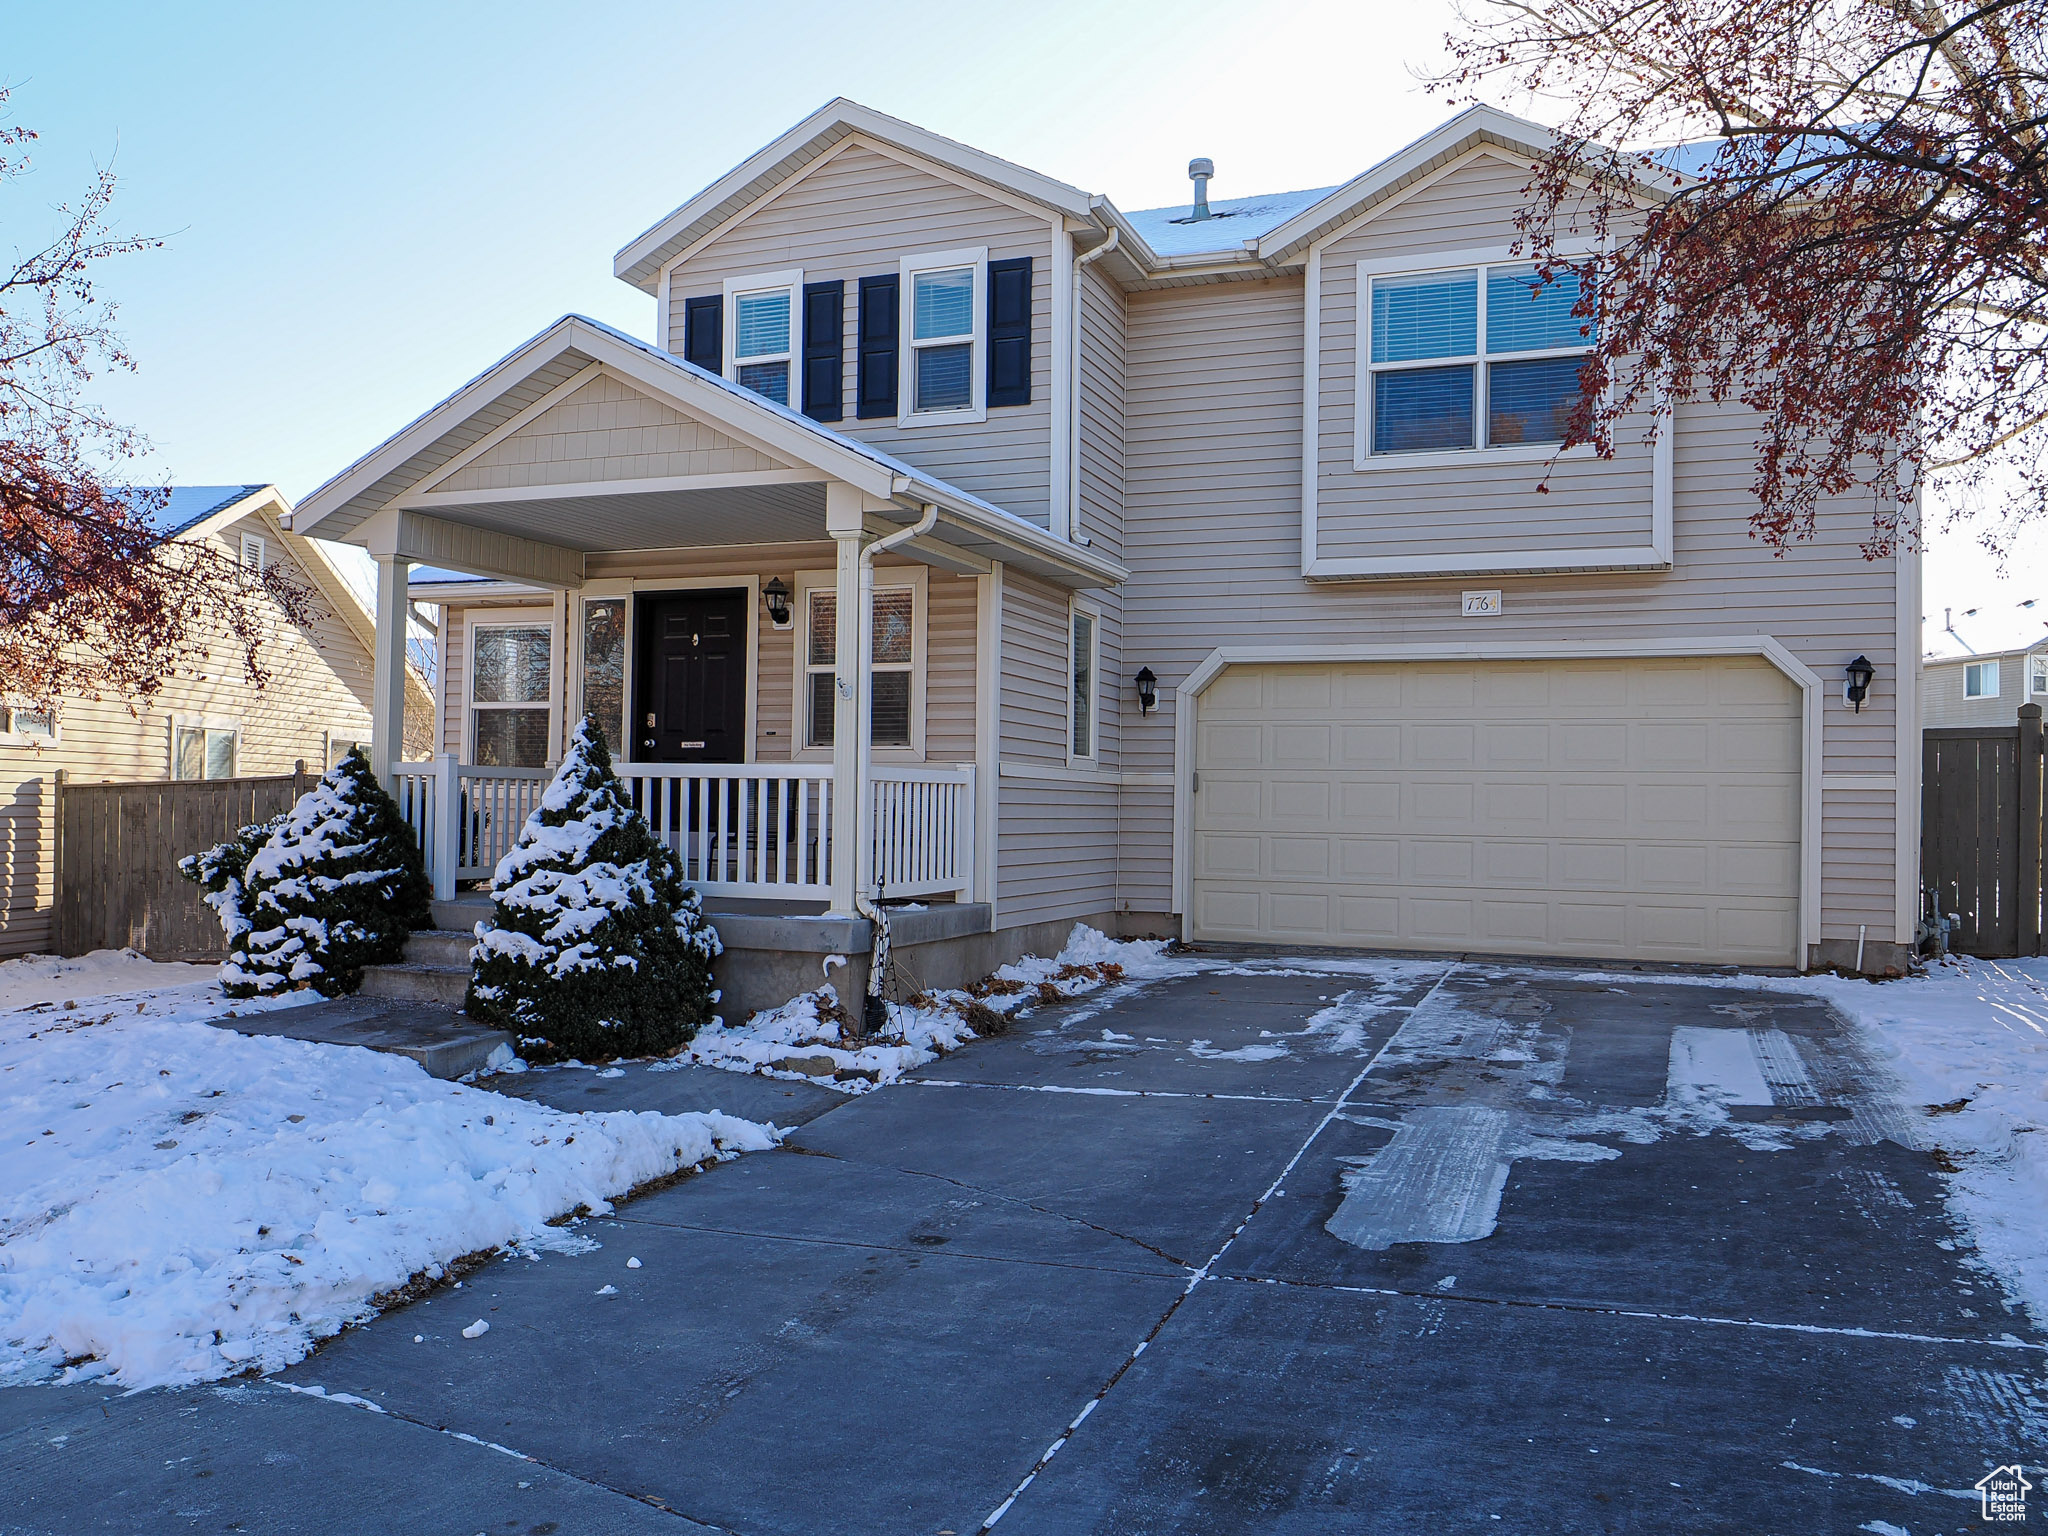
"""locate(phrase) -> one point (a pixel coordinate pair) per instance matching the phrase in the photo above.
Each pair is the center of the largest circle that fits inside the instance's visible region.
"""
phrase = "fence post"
(2030, 830)
(445, 832)
(61, 778)
(298, 779)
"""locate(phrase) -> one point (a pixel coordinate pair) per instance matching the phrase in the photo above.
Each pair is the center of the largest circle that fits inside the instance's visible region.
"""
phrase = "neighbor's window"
(942, 336)
(2037, 674)
(1478, 357)
(1980, 680)
(1081, 700)
(895, 655)
(604, 667)
(761, 331)
(29, 725)
(203, 752)
(340, 744)
(509, 695)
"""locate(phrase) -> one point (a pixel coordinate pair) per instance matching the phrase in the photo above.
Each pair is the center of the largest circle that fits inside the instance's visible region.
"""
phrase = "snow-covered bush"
(218, 872)
(596, 948)
(335, 886)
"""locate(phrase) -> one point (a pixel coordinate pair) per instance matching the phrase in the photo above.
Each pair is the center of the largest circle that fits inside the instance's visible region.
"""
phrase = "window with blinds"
(1476, 357)
(509, 696)
(895, 657)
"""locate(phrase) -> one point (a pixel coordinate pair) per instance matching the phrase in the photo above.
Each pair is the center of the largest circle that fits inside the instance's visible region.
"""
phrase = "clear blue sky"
(368, 204)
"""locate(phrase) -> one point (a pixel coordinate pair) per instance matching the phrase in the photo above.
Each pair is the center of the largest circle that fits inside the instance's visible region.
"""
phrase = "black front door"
(690, 678)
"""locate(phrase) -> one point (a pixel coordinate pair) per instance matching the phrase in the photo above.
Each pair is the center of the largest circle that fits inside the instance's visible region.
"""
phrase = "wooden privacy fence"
(118, 847)
(1980, 834)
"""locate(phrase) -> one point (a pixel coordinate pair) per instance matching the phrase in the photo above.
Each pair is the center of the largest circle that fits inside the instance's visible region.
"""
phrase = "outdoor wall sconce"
(1857, 688)
(1148, 690)
(776, 596)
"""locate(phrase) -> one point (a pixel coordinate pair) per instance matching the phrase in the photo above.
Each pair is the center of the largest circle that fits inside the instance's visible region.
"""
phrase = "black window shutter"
(704, 332)
(1009, 331)
(876, 391)
(824, 346)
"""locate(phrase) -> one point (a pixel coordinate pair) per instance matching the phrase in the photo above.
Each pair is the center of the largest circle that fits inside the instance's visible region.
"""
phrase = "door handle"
(646, 741)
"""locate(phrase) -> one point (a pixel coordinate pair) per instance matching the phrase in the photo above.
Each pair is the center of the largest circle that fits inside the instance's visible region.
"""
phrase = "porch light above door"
(776, 596)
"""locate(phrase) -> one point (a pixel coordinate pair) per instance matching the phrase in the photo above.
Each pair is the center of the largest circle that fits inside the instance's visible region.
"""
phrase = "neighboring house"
(211, 725)
(1985, 689)
(1284, 461)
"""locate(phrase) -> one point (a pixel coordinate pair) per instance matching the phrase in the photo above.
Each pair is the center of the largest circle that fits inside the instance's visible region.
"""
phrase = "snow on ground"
(183, 1203)
(1968, 1042)
(811, 1037)
(55, 979)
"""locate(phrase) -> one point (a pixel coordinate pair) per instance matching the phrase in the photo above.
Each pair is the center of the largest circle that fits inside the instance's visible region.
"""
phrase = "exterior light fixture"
(776, 596)
(1857, 686)
(1148, 690)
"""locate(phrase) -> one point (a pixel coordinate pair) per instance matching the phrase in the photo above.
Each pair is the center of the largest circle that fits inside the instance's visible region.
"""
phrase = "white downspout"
(873, 1015)
(1073, 465)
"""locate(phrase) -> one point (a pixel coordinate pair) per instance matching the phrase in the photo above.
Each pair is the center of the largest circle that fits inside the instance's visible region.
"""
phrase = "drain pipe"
(1073, 464)
(874, 1015)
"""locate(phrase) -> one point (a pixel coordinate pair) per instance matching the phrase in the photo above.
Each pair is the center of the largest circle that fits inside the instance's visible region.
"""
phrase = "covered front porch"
(663, 551)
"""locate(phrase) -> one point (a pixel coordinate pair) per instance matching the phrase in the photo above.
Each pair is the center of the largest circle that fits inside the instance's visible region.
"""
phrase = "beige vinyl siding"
(857, 214)
(1212, 537)
(607, 430)
(319, 682)
(1479, 508)
(1099, 514)
(1057, 837)
(1942, 702)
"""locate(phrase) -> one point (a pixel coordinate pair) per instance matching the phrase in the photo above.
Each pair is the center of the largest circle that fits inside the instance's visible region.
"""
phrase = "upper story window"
(761, 329)
(1483, 356)
(1980, 680)
(2037, 674)
(943, 335)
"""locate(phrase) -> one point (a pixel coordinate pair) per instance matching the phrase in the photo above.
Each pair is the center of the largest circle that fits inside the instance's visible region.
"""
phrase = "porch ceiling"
(592, 523)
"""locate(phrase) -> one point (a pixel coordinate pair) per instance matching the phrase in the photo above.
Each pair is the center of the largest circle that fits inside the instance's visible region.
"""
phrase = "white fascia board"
(640, 260)
(1503, 126)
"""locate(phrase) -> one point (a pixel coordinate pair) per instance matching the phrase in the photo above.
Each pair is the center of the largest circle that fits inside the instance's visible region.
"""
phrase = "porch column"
(387, 687)
(849, 704)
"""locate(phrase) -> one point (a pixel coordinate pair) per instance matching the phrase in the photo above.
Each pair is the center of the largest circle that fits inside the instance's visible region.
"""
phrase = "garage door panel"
(1606, 809)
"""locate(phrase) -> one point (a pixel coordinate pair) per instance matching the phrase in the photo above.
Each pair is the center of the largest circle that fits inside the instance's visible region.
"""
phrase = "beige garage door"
(1625, 809)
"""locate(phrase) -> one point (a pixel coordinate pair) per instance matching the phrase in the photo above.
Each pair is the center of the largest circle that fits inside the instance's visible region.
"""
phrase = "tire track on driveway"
(1208, 1269)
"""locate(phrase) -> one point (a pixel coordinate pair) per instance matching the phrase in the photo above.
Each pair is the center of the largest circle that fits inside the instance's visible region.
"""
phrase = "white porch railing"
(740, 829)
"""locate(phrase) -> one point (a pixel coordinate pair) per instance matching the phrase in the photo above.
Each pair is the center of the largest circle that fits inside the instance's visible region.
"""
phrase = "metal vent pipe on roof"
(1199, 172)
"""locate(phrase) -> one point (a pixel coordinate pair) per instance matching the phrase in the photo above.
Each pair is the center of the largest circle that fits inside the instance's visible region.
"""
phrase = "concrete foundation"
(1880, 956)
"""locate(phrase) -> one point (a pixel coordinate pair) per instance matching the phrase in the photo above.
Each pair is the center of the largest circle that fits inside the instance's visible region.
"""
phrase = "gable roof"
(571, 345)
(641, 259)
(186, 506)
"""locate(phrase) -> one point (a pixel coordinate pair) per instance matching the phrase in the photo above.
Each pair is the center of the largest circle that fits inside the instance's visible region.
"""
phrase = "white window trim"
(1981, 668)
(505, 618)
(361, 736)
(2036, 661)
(886, 577)
(261, 547)
(201, 723)
(10, 737)
(1363, 458)
(1093, 758)
(975, 258)
(792, 280)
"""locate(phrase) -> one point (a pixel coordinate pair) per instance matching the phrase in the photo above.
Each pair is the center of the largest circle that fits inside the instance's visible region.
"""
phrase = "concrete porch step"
(438, 946)
(461, 914)
(441, 1040)
(413, 981)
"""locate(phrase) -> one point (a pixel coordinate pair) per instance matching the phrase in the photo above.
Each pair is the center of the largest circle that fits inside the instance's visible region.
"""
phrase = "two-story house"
(1220, 575)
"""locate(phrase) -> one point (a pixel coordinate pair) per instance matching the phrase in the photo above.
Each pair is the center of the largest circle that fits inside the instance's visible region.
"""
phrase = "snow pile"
(812, 1036)
(183, 1203)
(66, 979)
(1969, 1044)
(335, 886)
(596, 948)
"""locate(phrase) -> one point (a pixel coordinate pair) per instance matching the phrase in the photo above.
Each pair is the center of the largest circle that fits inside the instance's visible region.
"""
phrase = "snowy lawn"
(182, 1203)
(811, 1037)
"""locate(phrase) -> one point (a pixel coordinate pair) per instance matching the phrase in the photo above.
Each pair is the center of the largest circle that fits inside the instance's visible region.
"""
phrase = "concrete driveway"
(1301, 1244)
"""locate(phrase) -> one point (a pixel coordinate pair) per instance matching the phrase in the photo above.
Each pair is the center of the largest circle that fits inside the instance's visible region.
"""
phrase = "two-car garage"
(1641, 809)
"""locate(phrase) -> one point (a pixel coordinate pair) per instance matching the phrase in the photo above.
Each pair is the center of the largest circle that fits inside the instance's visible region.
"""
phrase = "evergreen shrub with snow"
(311, 898)
(596, 947)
